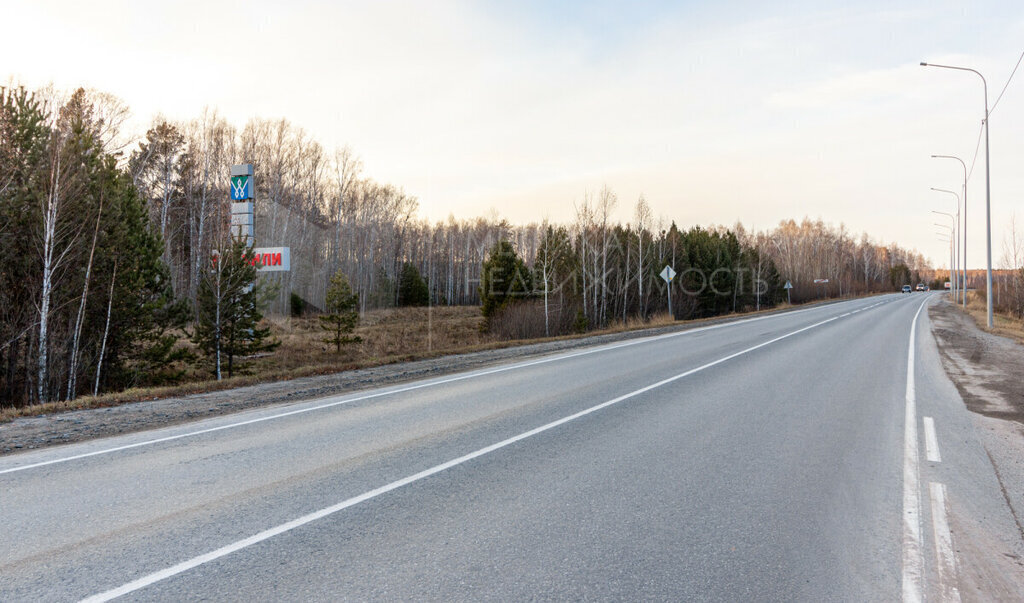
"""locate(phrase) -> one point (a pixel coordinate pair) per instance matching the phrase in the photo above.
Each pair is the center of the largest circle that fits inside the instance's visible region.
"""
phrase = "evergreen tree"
(112, 319)
(24, 144)
(342, 312)
(412, 289)
(505, 277)
(899, 275)
(230, 309)
(141, 347)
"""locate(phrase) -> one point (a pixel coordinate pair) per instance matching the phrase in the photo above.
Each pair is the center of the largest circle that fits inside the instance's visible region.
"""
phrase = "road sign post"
(243, 212)
(788, 287)
(668, 274)
(820, 281)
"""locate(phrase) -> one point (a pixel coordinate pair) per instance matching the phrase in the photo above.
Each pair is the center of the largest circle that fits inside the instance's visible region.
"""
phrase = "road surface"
(765, 459)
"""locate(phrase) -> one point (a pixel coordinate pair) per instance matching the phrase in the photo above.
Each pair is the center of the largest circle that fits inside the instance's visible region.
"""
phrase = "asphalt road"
(766, 459)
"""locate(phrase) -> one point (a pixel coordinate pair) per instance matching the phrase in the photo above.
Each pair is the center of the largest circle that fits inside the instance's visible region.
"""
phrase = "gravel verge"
(987, 369)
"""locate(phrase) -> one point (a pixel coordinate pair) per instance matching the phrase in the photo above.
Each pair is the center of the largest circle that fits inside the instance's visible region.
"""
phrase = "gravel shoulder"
(986, 370)
(28, 433)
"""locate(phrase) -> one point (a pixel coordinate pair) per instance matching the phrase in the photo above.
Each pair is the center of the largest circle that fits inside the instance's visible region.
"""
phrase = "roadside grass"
(389, 336)
(1004, 324)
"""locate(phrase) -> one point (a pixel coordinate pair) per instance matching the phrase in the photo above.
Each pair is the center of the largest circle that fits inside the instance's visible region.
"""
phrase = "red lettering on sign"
(276, 259)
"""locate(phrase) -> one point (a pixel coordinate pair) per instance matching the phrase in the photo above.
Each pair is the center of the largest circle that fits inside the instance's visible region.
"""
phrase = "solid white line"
(931, 443)
(944, 556)
(913, 555)
(305, 519)
(399, 390)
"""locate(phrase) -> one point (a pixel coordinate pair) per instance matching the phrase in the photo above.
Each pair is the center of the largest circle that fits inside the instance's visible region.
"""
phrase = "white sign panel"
(668, 274)
(272, 259)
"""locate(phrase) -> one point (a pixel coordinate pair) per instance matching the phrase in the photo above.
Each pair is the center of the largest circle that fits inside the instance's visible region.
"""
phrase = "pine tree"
(142, 344)
(342, 313)
(504, 278)
(24, 154)
(230, 310)
(412, 289)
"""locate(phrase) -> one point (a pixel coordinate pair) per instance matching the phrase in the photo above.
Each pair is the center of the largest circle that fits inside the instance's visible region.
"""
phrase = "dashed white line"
(931, 442)
(400, 390)
(944, 556)
(913, 555)
(184, 566)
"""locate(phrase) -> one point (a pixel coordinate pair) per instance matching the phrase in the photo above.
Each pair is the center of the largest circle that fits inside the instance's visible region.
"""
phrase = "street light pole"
(955, 286)
(945, 237)
(963, 277)
(963, 246)
(988, 193)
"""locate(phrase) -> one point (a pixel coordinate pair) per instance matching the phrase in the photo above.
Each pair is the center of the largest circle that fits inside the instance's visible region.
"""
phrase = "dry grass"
(389, 336)
(386, 334)
(1004, 324)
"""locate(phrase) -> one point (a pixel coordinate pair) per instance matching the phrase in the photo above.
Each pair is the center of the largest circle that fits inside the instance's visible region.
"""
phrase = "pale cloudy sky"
(715, 111)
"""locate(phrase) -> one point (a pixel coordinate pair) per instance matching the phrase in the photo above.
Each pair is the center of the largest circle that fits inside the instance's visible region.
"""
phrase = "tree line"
(105, 245)
(560, 278)
(333, 217)
(86, 302)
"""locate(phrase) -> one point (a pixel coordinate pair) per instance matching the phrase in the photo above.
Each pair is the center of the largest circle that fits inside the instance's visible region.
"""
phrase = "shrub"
(298, 305)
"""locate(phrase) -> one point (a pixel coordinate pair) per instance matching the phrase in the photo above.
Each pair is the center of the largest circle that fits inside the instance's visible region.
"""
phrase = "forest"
(106, 238)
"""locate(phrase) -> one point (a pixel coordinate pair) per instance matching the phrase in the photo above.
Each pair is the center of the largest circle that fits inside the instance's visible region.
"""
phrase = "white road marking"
(913, 555)
(184, 566)
(931, 443)
(944, 556)
(400, 390)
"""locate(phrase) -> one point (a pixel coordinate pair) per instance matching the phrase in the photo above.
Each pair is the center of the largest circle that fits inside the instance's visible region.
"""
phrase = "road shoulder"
(986, 370)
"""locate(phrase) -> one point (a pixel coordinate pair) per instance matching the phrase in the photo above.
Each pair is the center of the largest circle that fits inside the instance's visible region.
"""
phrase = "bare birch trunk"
(625, 281)
(49, 242)
(547, 330)
(106, 332)
(216, 320)
(73, 367)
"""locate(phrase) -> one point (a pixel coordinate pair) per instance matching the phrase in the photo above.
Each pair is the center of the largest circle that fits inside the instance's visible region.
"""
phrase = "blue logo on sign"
(241, 188)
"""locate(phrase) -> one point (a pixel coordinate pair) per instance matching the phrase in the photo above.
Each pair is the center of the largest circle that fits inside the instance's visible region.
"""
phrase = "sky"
(716, 112)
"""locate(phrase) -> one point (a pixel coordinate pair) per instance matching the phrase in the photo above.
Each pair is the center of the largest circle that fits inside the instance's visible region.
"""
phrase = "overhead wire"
(1005, 86)
(976, 148)
(981, 131)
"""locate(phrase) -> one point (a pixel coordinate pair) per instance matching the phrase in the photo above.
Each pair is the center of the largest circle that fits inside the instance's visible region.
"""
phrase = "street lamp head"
(923, 64)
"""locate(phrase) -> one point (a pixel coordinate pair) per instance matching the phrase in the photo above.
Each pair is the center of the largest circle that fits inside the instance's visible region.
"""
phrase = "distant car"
(907, 289)
(922, 287)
